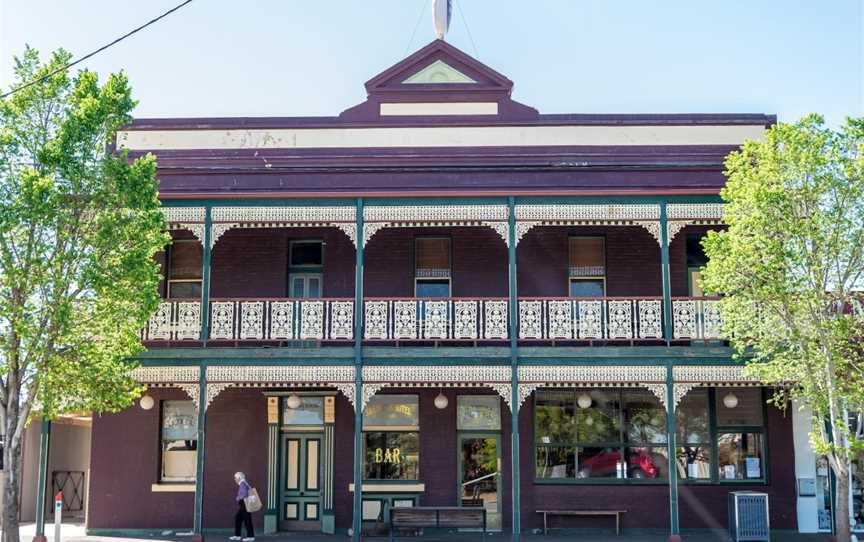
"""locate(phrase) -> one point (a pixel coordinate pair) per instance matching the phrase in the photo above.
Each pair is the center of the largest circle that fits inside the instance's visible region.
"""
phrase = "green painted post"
(671, 426)
(514, 367)
(664, 272)
(671, 430)
(205, 275)
(357, 522)
(41, 488)
(199, 460)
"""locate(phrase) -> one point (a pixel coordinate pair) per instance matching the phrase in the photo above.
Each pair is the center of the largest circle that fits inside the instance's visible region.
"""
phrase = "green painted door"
(480, 475)
(301, 482)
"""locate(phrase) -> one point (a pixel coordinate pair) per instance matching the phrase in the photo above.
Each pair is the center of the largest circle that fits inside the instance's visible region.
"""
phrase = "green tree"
(790, 267)
(79, 226)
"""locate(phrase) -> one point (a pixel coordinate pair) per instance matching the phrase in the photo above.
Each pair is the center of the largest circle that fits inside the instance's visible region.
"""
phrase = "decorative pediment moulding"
(533, 377)
(186, 218)
(645, 215)
(688, 377)
(497, 377)
(681, 215)
(377, 217)
(227, 218)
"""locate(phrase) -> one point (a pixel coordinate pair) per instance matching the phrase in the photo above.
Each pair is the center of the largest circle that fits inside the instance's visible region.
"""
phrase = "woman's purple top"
(242, 490)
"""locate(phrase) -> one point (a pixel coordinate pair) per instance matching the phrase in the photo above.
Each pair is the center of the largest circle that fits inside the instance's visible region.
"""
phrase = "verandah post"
(671, 426)
(357, 522)
(514, 363)
(41, 488)
(197, 528)
(205, 274)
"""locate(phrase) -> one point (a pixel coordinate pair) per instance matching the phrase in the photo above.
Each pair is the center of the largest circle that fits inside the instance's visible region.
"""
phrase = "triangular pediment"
(438, 73)
(438, 80)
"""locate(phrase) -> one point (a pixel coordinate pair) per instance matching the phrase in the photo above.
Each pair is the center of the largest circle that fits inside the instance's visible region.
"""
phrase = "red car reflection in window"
(605, 464)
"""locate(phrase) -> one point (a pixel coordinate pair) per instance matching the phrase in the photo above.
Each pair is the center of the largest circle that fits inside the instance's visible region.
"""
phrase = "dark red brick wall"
(124, 463)
(632, 261)
(251, 262)
(236, 440)
(478, 259)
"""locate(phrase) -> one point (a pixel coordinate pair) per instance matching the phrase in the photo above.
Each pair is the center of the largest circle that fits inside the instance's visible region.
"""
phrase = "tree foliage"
(790, 269)
(79, 226)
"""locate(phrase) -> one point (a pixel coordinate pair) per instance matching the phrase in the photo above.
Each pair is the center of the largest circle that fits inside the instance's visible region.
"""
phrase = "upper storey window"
(432, 267)
(184, 269)
(587, 266)
(306, 269)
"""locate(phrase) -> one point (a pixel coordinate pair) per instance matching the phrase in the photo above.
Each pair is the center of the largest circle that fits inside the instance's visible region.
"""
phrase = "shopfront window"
(605, 434)
(391, 438)
(693, 439)
(179, 441)
(740, 441)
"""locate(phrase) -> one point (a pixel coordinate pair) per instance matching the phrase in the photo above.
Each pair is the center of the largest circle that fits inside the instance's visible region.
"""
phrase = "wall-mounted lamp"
(441, 401)
(293, 402)
(146, 402)
(584, 400)
(730, 400)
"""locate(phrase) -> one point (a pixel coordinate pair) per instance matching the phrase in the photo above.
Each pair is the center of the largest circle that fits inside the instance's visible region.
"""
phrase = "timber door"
(301, 482)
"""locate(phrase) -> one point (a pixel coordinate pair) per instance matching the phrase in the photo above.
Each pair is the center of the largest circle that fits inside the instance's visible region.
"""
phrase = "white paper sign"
(729, 472)
(754, 468)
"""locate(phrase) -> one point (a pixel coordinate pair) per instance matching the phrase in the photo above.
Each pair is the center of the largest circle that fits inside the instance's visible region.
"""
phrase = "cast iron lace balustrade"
(696, 318)
(587, 319)
(174, 320)
(280, 319)
(477, 319)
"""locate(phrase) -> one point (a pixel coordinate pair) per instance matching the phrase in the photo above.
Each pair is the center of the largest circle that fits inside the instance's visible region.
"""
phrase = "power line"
(465, 21)
(416, 26)
(97, 51)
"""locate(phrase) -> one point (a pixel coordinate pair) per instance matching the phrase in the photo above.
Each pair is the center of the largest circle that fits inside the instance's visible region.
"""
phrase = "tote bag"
(252, 501)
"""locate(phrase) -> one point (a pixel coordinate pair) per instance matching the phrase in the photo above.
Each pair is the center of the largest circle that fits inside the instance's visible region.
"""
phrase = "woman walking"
(243, 517)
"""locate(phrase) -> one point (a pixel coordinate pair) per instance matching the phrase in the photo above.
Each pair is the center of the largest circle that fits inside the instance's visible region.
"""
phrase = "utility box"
(748, 516)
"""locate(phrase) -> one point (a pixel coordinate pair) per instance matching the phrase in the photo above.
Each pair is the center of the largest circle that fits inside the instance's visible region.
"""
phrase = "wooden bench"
(419, 517)
(616, 513)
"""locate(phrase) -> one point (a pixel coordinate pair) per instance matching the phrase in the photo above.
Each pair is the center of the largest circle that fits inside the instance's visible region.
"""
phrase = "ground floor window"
(620, 435)
(179, 438)
(599, 434)
(391, 438)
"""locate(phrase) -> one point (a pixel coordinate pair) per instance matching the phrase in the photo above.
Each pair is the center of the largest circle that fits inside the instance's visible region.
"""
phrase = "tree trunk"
(841, 508)
(11, 489)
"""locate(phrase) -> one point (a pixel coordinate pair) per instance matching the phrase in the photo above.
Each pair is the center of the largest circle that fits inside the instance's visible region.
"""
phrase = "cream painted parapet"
(185, 378)
(378, 377)
(688, 377)
(436, 136)
(644, 215)
(227, 218)
(681, 215)
(377, 217)
(221, 377)
(650, 377)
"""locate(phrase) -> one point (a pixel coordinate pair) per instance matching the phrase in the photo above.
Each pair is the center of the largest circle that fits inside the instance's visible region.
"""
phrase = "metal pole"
(205, 275)
(514, 367)
(41, 490)
(357, 522)
(199, 466)
(671, 426)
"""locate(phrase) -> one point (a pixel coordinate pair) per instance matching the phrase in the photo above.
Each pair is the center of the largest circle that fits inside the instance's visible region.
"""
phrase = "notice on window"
(729, 472)
(754, 467)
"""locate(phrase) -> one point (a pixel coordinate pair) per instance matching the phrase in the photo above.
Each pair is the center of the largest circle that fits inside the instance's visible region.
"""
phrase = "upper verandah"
(441, 120)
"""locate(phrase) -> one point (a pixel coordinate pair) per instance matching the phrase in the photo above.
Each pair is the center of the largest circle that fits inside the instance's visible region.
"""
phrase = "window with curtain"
(587, 266)
(179, 440)
(432, 266)
(184, 268)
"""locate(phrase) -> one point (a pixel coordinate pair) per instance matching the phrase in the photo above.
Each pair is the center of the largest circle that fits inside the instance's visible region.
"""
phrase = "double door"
(300, 495)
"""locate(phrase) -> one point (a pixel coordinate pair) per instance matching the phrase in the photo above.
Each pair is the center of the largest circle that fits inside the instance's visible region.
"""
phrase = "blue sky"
(311, 57)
